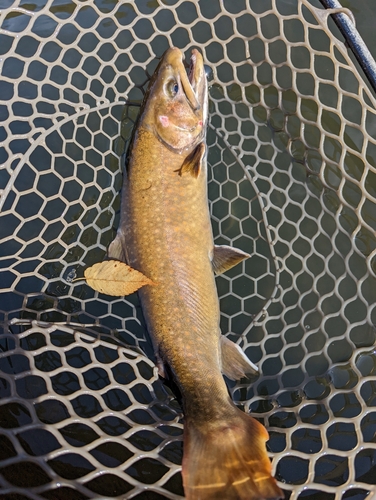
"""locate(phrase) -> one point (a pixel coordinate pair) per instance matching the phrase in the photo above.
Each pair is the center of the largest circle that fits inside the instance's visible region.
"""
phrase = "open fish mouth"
(192, 69)
(192, 80)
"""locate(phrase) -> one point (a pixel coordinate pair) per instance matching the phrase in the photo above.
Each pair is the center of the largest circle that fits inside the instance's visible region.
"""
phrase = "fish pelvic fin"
(235, 364)
(229, 461)
(116, 249)
(226, 257)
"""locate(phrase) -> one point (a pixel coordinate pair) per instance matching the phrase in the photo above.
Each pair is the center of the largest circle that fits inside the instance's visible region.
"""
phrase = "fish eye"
(172, 88)
(208, 72)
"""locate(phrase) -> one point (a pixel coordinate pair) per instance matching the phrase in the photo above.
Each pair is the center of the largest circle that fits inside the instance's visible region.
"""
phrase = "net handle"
(347, 27)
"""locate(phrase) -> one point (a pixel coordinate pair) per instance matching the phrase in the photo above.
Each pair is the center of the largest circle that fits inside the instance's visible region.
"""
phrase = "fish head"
(176, 103)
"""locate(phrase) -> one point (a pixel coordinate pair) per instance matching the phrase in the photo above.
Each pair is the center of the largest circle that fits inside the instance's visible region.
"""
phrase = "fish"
(165, 233)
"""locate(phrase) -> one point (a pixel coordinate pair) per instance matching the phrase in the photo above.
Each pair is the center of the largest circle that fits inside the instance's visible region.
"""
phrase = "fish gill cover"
(291, 182)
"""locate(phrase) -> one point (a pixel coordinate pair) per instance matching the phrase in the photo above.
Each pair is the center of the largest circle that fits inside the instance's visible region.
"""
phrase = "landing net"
(292, 173)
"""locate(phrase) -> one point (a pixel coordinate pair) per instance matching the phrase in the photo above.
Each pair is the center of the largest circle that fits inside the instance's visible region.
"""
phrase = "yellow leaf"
(113, 277)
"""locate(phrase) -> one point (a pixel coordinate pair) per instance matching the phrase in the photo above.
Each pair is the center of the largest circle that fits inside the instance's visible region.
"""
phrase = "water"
(290, 304)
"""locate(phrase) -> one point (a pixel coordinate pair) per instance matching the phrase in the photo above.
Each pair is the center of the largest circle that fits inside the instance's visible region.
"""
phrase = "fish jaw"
(176, 106)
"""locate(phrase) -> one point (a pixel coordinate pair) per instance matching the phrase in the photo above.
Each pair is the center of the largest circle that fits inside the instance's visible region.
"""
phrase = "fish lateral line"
(224, 452)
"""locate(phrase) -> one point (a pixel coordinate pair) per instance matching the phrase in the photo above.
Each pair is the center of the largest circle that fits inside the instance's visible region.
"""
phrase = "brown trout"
(165, 233)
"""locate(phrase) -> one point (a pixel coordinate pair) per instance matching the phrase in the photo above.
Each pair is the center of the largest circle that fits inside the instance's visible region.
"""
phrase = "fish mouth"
(197, 79)
(195, 70)
(193, 82)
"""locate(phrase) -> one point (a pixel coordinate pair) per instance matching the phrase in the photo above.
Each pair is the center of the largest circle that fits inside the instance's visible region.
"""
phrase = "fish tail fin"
(228, 461)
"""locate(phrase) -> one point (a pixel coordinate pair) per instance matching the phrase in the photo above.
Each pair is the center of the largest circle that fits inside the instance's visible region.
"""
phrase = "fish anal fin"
(226, 257)
(193, 162)
(235, 364)
(227, 460)
(117, 249)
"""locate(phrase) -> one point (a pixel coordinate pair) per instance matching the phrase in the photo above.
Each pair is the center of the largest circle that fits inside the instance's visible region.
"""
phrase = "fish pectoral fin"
(226, 257)
(116, 249)
(235, 364)
(193, 162)
(162, 368)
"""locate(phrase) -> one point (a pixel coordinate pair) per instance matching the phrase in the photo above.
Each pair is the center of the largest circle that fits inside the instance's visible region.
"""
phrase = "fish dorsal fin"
(225, 257)
(194, 161)
(116, 249)
(235, 364)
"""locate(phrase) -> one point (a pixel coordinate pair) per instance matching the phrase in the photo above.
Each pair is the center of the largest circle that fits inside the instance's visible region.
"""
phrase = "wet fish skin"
(165, 233)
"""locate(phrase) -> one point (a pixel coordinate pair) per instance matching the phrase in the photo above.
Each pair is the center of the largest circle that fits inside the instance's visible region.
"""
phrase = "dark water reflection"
(78, 179)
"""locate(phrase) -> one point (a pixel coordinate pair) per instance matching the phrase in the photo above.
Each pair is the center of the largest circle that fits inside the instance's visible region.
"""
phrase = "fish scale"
(165, 233)
(185, 288)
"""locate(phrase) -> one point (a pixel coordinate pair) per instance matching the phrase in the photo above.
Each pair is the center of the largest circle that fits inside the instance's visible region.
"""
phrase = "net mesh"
(292, 181)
